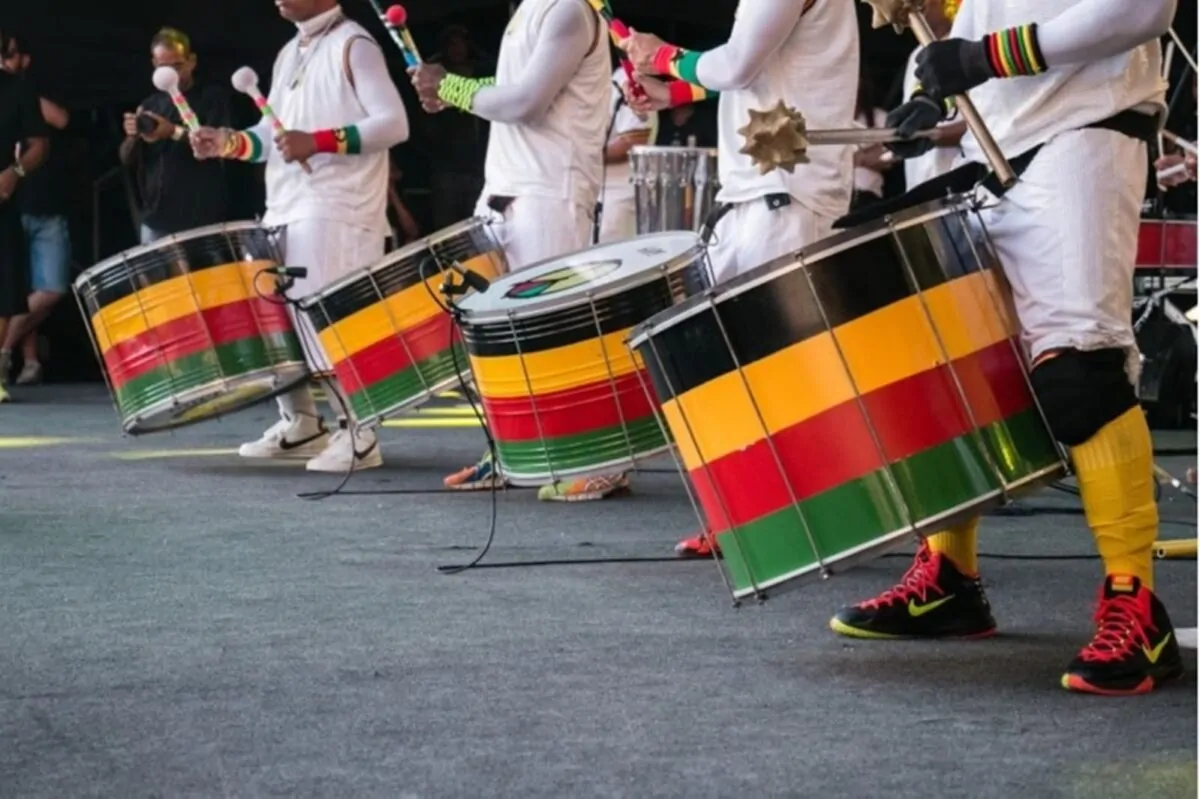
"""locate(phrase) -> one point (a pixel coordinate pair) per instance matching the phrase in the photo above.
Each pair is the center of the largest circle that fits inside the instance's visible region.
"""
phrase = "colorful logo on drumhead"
(560, 280)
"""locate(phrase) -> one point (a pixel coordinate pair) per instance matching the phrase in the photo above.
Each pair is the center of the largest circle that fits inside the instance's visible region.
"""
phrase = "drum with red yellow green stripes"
(563, 395)
(187, 328)
(384, 329)
(831, 404)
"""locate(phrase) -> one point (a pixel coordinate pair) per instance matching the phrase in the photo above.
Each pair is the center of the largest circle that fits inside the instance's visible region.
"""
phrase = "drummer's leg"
(759, 230)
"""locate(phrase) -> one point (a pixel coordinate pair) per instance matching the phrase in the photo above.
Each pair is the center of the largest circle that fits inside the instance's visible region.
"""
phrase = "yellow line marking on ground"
(432, 423)
(29, 442)
(153, 454)
(458, 410)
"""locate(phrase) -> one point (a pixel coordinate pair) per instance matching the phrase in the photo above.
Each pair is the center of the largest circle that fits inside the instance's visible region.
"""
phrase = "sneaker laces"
(920, 578)
(1121, 623)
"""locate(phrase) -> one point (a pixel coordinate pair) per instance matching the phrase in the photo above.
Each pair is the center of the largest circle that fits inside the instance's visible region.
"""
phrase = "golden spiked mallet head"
(775, 138)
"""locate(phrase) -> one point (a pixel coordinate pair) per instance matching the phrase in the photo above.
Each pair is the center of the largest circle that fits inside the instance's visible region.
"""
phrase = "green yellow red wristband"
(677, 62)
(339, 141)
(1013, 52)
(947, 104)
(684, 93)
(243, 145)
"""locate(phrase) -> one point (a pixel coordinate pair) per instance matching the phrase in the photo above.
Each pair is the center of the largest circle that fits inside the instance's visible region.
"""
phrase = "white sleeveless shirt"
(561, 156)
(1024, 112)
(311, 90)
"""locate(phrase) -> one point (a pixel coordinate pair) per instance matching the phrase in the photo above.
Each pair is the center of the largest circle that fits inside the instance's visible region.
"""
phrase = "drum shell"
(563, 396)
(829, 405)
(385, 330)
(675, 188)
(187, 328)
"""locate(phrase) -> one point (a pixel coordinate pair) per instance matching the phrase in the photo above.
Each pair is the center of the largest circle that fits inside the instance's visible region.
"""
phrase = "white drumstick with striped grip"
(166, 80)
(245, 80)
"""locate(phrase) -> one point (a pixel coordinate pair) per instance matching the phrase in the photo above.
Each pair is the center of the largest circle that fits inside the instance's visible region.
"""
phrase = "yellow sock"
(1116, 480)
(961, 544)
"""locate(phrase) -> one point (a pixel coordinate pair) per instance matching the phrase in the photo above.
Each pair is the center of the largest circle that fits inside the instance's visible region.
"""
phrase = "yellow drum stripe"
(970, 313)
(176, 298)
(403, 311)
(554, 370)
(789, 387)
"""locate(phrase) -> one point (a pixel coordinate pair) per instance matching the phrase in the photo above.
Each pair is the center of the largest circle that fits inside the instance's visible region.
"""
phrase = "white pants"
(533, 229)
(618, 219)
(329, 250)
(750, 234)
(1066, 235)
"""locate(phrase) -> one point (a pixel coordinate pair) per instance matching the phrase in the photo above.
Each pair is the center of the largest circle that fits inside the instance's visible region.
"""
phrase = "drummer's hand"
(918, 114)
(164, 128)
(296, 145)
(655, 97)
(641, 49)
(8, 184)
(1167, 161)
(427, 79)
(209, 142)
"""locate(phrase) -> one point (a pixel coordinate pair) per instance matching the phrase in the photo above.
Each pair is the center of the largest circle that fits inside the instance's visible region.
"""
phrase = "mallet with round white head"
(245, 80)
(166, 80)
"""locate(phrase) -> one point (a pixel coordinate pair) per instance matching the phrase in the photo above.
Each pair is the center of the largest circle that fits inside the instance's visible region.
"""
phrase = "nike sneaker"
(348, 450)
(291, 438)
(483, 476)
(1134, 649)
(933, 600)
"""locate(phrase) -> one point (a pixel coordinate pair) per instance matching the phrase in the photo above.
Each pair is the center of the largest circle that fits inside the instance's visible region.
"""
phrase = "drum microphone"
(295, 272)
(471, 278)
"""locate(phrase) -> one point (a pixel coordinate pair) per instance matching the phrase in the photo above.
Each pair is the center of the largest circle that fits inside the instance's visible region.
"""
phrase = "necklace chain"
(306, 46)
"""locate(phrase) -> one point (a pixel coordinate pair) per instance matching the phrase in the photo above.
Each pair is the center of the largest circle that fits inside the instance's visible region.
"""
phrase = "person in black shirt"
(21, 124)
(41, 199)
(179, 192)
(687, 126)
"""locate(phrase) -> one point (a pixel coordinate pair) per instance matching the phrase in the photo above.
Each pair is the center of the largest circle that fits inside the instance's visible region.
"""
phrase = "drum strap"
(1136, 125)
(774, 203)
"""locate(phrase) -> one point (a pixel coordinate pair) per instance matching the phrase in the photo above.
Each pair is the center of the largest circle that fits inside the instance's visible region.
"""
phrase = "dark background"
(93, 58)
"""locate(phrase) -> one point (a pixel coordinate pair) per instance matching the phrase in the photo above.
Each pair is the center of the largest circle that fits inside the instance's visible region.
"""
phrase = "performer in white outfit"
(332, 91)
(618, 206)
(941, 159)
(549, 112)
(804, 53)
(1073, 92)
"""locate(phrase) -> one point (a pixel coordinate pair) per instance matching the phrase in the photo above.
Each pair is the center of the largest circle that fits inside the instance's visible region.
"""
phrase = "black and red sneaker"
(933, 600)
(1134, 649)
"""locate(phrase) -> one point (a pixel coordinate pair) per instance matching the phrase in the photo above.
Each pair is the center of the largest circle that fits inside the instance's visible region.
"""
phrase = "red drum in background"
(1167, 244)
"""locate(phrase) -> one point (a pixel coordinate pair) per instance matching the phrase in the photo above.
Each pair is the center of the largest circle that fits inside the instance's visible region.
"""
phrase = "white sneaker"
(289, 439)
(359, 450)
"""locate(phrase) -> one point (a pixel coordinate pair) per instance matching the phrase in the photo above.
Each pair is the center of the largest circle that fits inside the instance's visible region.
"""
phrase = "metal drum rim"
(538, 308)
(175, 238)
(807, 256)
(424, 244)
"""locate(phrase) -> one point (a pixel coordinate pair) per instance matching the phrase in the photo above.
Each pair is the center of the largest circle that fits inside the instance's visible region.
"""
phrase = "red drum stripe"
(391, 356)
(573, 411)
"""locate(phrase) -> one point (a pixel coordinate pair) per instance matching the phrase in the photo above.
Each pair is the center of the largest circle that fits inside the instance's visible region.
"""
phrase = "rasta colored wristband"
(460, 92)
(947, 104)
(677, 62)
(684, 93)
(243, 146)
(1013, 52)
(339, 141)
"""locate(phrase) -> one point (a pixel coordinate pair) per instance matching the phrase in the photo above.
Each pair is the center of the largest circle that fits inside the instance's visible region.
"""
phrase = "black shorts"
(14, 264)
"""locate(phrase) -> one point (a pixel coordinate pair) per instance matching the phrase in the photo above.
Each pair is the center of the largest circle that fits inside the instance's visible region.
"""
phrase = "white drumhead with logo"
(592, 273)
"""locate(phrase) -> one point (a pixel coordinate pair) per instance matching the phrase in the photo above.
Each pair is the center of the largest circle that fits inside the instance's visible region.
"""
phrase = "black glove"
(919, 113)
(953, 66)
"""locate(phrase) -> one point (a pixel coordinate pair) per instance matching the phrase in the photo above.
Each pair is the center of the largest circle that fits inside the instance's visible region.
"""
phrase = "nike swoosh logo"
(286, 445)
(916, 611)
(1154, 654)
(362, 455)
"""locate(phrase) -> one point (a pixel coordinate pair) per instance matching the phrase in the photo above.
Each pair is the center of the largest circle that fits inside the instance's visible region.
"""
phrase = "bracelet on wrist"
(1014, 52)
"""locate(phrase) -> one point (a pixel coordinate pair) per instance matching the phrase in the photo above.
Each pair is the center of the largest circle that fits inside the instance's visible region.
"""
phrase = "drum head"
(596, 272)
(215, 400)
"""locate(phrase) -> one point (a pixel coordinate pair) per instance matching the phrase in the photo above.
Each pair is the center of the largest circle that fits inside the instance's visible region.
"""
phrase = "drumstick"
(245, 80)
(1182, 142)
(1166, 73)
(1170, 172)
(395, 19)
(1183, 48)
(619, 32)
(166, 80)
(902, 13)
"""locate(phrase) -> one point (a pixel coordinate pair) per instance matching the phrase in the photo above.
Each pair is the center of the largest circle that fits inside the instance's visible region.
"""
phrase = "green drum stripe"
(227, 360)
(854, 514)
(580, 451)
(392, 393)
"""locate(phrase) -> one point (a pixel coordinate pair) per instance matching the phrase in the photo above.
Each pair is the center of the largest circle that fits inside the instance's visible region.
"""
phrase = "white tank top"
(351, 189)
(815, 71)
(562, 155)
(1024, 112)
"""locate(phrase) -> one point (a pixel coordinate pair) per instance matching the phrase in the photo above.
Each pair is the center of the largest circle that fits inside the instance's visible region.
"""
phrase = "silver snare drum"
(675, 187)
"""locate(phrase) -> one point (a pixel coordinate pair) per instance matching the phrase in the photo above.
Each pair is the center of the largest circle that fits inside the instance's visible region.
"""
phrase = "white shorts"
(750, 234)
(534, 228)
(330, 251)
(618, 220)
(1066, 235)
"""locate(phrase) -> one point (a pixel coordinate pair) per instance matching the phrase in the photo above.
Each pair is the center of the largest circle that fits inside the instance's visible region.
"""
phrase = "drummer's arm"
(386, 122)
(566, 38)
(759, 31)
(249, 144)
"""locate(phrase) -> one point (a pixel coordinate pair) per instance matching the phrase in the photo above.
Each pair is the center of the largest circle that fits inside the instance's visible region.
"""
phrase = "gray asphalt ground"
(175, 622)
